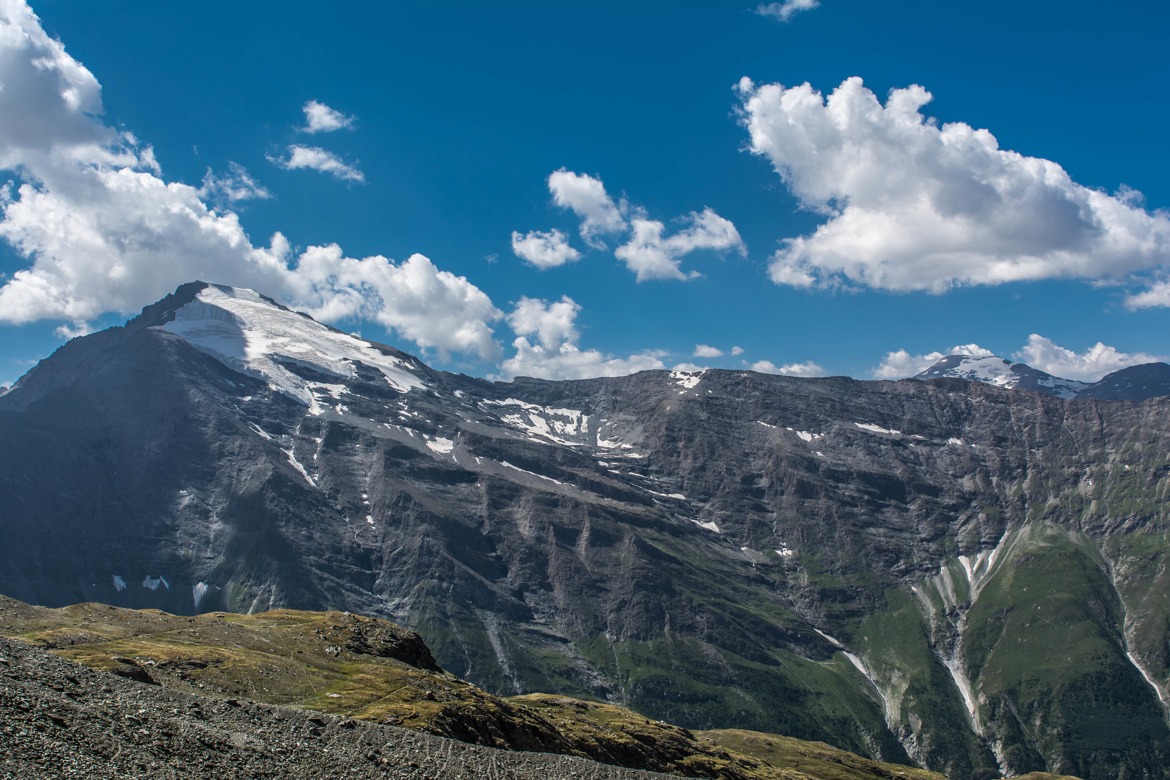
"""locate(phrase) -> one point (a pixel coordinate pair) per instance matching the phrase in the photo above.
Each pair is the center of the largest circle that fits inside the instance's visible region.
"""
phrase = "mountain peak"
(1132, 383)
(255, 335)
(1001, 372)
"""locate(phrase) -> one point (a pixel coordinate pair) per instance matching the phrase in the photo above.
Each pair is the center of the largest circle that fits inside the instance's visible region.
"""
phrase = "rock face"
(970, 577)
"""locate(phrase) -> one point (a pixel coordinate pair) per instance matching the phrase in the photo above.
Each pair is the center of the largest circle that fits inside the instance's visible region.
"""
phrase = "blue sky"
(448, 132)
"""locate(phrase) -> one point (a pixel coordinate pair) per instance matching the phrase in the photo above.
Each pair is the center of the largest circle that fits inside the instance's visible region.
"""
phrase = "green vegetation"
(1044, 646)
(367, 668)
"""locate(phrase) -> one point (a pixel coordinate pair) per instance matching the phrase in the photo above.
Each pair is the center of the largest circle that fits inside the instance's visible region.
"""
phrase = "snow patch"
(687, 379)
(297, 465)
(254, 336)
(709, 525)
(877, 429)
(152, 583)
(675, 496)
(561, 426)
(440, 445)
(506, 464)
(830, 639)
(198, 592)
(263, 433)
(806, 436)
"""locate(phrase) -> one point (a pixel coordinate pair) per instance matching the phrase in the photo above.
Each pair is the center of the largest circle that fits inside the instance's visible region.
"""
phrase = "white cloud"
(1088, 366)
(806, 369)
(784, 11)
(235, 186)
(646, 252)
(915, 206)
(737, 351)
(320, 118)
(103, 231)
(552, 323)
(586, 197)
(47, 98)
(650, 256)
(433, 308)
(900, 364)
(706, 351)
(317, 159)
(73, 331)
(544, 250)
(1157, 295)
(570, 362)
(555, 354)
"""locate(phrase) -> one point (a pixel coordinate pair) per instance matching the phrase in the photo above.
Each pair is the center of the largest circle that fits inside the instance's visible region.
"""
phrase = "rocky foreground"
(62, 720)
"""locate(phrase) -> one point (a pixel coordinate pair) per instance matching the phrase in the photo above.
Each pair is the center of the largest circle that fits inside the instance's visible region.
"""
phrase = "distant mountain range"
(968, 577)
(1134, 383)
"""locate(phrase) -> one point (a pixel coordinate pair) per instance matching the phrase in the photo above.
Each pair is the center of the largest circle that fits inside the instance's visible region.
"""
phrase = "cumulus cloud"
(320, 118)
(554, 353)
(784, 11)
(1088, 366)
(103, 231)
(433, 308)
(737, 351)
(586, 197)
(235, 186)
(706, 351)
(552, 323)
(1157, 295)
(47, 98)
(544, 250)
(900, 364)
(314, 158)
(912, 205)
(651, 256)
(570, 362)
(646, 251)
(806, 369)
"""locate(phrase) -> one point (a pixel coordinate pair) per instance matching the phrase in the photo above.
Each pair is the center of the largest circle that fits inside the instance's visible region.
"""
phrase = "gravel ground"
(61, 720)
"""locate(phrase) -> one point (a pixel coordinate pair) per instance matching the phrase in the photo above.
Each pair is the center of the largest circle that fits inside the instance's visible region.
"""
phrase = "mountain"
(1002, 373)
(964, 576)
(1134, 383)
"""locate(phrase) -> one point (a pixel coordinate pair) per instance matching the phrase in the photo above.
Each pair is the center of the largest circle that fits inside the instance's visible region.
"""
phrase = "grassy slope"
(308, 659)
(1045, 649)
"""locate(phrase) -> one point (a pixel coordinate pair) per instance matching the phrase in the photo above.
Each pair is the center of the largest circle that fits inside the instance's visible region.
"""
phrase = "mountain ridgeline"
(967, 577)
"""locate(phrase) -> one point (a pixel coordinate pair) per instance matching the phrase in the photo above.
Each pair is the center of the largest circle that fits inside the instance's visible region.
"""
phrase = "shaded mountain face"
(1134, 383)
(969, 577)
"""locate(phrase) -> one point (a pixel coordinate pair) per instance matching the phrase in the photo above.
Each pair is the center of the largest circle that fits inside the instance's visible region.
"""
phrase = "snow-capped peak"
(994, 370)
(252, 334)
